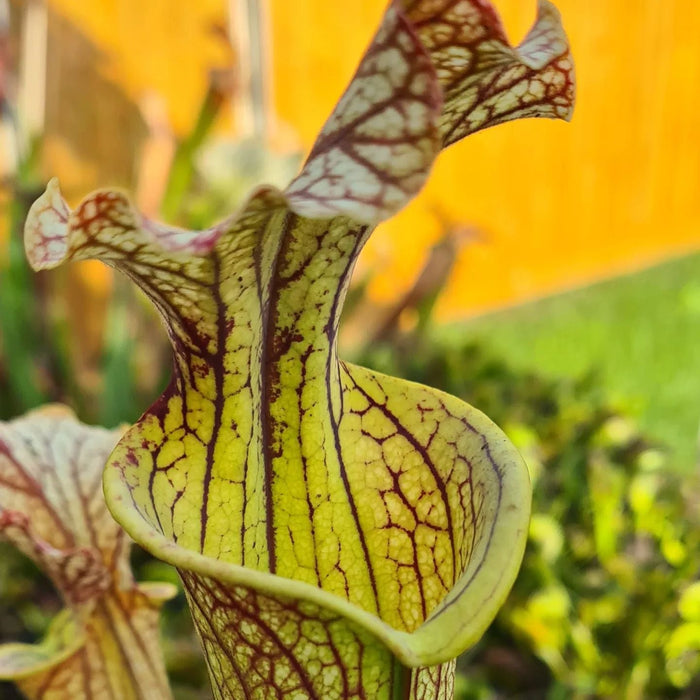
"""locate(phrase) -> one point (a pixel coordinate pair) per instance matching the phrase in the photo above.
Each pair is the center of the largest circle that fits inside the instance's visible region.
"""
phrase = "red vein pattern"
(330, 524)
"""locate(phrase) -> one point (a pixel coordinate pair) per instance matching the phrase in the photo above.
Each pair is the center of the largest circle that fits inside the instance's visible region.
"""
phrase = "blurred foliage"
(607, 603)
(640, 333)
(22, 381)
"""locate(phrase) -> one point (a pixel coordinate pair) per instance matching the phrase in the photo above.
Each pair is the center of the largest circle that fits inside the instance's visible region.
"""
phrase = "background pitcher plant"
(339, 533)
(105, 643)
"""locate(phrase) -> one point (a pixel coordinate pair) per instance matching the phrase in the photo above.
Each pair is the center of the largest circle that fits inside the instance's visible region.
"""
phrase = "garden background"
(549, 274)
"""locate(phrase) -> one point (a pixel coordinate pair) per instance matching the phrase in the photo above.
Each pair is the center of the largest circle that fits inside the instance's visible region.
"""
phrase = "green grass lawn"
(639, 333)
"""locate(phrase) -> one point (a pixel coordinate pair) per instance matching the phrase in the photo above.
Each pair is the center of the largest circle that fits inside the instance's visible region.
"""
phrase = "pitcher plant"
(339, 533)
